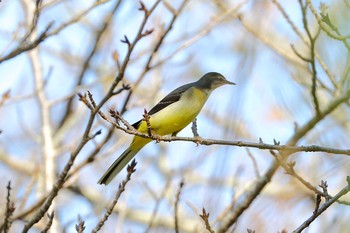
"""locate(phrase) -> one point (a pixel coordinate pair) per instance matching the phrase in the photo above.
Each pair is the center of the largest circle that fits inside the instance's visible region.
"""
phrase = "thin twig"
(312, 41)
(85, 137)
(260, 183)
(176, 217)
(250, 195)
(299, 55)
(324, 187)
(49, 223)
(47, 33)
(318, 202)
(80, 227)
(91, 157)
(298, 32)
(48, 167)
(320, 210)
(27, 192)
(146, 118)
(289, 169)
(255, 164)
(34, 21)
(232, 12)
(94, 48)
(150, 59)
(10, 208)
(31, 209)
(28, 46)
(157, 204)
(326, 28)
(131, 169)
(205, 217)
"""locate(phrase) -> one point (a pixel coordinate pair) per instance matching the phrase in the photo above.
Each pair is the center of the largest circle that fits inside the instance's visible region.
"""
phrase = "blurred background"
(250, 42)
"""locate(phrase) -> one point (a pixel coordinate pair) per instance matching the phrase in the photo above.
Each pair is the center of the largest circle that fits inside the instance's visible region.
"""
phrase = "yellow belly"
(178, 115)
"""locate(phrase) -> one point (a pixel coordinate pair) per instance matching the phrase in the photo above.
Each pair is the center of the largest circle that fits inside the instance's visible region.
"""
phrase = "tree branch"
(85, 138)
(320, 210)
(131, 169)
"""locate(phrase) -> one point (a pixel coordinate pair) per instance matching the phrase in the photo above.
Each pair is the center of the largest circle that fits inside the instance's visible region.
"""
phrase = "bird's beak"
(230, 83)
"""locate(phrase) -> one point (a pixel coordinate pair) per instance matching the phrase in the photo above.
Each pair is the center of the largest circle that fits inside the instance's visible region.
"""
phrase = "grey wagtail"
(173, 113)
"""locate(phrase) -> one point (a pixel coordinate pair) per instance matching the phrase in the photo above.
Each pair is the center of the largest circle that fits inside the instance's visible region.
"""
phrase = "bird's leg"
(175, 133)
(197, 138)
(194, 128)
(157, 137)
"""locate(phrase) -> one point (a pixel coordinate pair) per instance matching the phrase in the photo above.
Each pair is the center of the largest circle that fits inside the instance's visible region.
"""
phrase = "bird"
(172, 114)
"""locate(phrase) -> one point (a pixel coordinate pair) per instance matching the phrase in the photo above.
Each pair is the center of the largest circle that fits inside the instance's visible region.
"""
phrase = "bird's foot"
(157, 138)
(198, 140)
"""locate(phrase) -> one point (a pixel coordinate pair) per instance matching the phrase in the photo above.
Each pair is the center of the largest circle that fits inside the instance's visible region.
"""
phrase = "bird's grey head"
(213, 80)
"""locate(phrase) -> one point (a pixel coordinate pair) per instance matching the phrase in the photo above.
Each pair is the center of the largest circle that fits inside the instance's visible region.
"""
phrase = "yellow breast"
(178, 115)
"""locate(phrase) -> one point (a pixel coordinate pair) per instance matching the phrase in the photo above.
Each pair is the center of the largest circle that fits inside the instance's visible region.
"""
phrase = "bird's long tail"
(122, 160)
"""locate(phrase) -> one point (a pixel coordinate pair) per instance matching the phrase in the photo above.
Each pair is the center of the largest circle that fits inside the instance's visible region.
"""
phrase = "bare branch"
(80, 227)
(85, 138)
(205, 217)
(305, 41)
(28, 45)
(299, 55)
(92, 101)
(324, 187)
(31, 209)
(135, 61)
(156, 48)
(289, 168)
(45, 34)
(176, 217)
(146, 118)
(320, 210)
(126, 41)
(131, 169)
(83, 99)
(10, 208)
(158, 199)
(261, 145)
(312, 41)
(97, 41)
(125, 87)
(49, 223)
(250, 195)
(318, 202)
(255, 164)
(327, 28)
(232, 12)
(260, 183)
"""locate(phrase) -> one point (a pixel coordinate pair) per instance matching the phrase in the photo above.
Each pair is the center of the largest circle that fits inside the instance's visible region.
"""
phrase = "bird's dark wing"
(171, 98)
